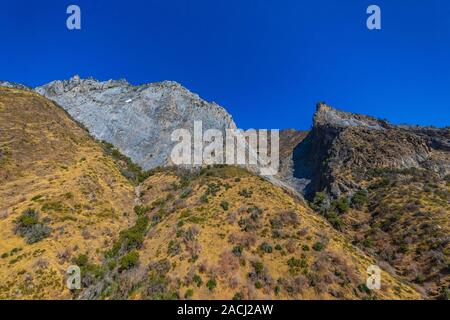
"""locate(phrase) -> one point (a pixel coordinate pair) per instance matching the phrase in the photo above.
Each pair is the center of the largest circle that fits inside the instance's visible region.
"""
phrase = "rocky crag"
(138, 120)
(343, 147)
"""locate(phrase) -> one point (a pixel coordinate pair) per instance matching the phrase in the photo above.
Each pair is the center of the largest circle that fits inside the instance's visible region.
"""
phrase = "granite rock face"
(138, 120)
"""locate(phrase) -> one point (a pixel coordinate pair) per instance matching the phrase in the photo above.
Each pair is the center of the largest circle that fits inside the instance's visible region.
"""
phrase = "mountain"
(218, 233)
(386, 186)
(138, 120)
(342, 148)
(8, 84)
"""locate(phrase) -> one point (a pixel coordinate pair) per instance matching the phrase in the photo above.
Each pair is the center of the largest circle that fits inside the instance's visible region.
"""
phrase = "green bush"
(383, 183)
(319, 201)
(237, 296)
(29, 227)
(341, 205)
(81, 260)
(335, 220)
(359, 199)
(129, 260)
(295, 265)
(368, 242)
(211, 284)
(265, 247)
(258, 267)
(189, 293)
(245, 193)
(198, 280)
(224, 205)
(142, 210)
(318, 246)
(237, 251)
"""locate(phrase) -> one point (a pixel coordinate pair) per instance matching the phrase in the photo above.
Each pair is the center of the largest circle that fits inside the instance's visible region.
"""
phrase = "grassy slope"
(47, 162)
(406, 223)
(189, 239)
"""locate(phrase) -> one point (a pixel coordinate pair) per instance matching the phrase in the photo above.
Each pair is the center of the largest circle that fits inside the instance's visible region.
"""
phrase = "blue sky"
(267, 62)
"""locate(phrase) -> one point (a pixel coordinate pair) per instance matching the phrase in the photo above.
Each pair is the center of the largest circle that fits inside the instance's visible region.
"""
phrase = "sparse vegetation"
(29, 226)
(129, 260)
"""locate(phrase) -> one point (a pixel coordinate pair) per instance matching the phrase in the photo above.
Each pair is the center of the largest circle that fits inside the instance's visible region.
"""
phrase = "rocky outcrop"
(13, 85)
(138, 120)
(342, 147)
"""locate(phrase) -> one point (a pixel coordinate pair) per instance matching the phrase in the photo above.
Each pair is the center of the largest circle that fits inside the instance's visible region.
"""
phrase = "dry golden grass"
(52, 165)
(197, 239)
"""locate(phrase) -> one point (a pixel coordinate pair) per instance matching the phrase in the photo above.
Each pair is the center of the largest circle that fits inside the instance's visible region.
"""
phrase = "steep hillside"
(343, 147)
(217, 233)
(224, 233)
(138, 120)
(387, 186)
(60, 196)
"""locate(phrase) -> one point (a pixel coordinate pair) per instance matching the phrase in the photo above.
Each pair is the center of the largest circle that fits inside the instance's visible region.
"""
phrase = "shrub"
(383, 183)
(341, 205)
(237, 251)
(81, 260)
(29, 227)
(318, 246)
(224, 205)
(265, 247)
(295, 265)
(237, 296)
(258, 267)
(129, 260)
(319, 201)
(245, 193)
(212, 189)
(186, 193)
(198, 280)
(368, 242)
(142, 210)
(444, 294)
(204, 198)
(211, 284)
(359, 199)
(189, 293)
(335, 220)
(133, 237)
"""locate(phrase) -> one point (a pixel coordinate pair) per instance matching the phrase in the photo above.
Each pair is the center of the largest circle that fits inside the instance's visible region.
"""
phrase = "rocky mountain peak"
(139, 119)
(13, 85)
(328, 116)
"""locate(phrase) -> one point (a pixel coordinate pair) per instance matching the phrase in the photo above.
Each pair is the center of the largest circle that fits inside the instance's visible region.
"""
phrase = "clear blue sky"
(267, 62)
